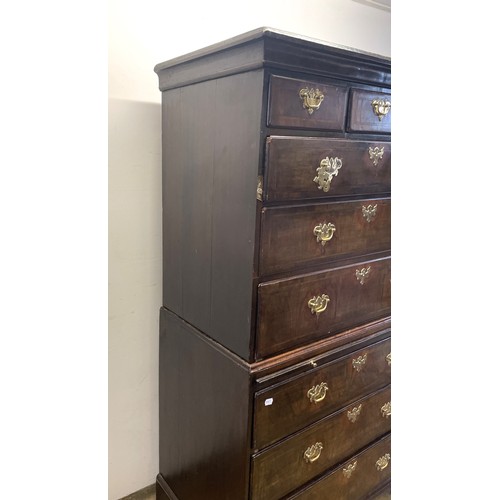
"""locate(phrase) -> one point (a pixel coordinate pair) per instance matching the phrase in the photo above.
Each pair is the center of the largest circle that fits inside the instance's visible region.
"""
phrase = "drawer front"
(361, 475)
(370, 111)
(297, 310)
(308, 454)
(291, 406)
(305, 104)
(295, 236)
(300, 168)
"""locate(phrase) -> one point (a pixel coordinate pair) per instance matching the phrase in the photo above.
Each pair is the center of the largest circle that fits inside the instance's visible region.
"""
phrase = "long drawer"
(292, 237)
(354, 479)
(297, 310)
(300, 168)
(288, 407)
(291, 463)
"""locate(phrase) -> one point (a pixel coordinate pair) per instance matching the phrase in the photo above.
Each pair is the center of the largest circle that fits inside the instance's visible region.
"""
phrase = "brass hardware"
(327, 170)
(386, 410)
(349, 469)
(388, 359)
(318, 304)
(381, 107)
(376, 154)
(313, 363)
(353, 414)
(313, 452)
(369, 212)
(260, 189)
(359, 362)
(317, 393)
(324, 232)
(362, 274)
(311, 99)
(383, 462)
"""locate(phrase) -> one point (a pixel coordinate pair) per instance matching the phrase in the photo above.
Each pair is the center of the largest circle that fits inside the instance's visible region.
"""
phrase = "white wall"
(142, 34)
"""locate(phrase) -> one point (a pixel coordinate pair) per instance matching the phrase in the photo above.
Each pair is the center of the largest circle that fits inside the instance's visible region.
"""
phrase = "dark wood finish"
(270, 48)
(384, 493)
(292, 163)
(210, 166)
(321, 351)
(239, 266)
(362, 118)
(364, 479)
(282, 468)
(204, 441)
(286, 108)
(205, 438)
(288, 241)
(285, 320)
(286, 408)
(163, 491)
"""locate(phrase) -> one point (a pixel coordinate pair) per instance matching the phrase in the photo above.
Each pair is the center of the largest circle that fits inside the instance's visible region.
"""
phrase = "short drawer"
(291, 463)
(292, 405)
(370, 111)
(299, 168)
(358, 477)
(306, 104)
(292, 237)
(297, 310)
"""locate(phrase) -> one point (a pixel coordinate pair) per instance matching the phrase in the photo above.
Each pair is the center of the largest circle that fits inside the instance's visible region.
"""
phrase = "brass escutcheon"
(383, 462)
(381, 107)
(327, 170)
(317, 393)
(324, 232)
(376, 154)
(318, 304)
(388, 359)
(359, 362)
(313, 452)
(386, 410)
(362, 274)
(369, 212)
(353, 414)
(311, 99)
(349, 469)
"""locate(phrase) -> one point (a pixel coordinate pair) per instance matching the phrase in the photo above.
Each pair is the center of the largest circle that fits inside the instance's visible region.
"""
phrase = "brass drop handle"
(324, 232)
(383, 462)
(318, 304)
(388, 359)
(317, 393)
(313, 452)
(311, 99)
(381, 107)
(359, 362)
(327, 170)
(386, 410)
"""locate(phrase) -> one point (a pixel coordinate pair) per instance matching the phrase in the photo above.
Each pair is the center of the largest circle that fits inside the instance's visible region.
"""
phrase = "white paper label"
(268, 402)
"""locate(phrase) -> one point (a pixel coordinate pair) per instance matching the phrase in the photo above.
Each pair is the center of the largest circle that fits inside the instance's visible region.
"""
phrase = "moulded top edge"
(266, 32)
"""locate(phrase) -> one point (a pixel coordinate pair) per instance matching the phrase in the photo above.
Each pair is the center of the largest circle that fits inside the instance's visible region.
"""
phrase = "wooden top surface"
(269, 47)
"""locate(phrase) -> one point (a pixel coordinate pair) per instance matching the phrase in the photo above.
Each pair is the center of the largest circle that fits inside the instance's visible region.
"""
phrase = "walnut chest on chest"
(275, 327)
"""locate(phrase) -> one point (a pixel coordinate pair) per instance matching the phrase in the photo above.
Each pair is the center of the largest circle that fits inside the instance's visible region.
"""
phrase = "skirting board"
(144, 494)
